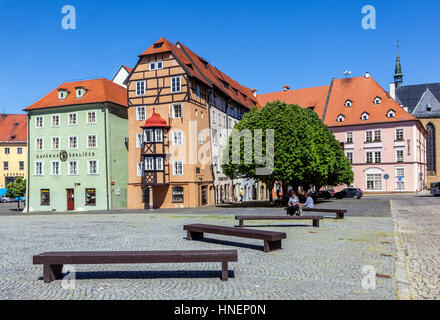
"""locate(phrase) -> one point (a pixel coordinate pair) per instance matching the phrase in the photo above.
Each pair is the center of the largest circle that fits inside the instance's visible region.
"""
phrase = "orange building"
(174, 96)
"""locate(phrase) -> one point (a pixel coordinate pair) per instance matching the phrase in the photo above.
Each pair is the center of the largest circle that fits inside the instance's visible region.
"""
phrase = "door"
(70, 199)
(204, 199)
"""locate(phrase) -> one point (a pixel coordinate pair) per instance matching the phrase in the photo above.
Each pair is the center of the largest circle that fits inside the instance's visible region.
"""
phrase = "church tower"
(398, 76)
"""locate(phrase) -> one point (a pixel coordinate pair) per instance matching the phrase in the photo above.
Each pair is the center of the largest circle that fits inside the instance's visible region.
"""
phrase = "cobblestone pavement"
(419, 221)
(322, 263)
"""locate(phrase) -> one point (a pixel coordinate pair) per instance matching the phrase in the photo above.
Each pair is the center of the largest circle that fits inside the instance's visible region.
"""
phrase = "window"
(175, 84)
(149, 164)
(374, 182)
(399, 134)
(139, 139)
(400, 185)
(156, 65)
(19, 150)
(400, 172)
(21, 165)
(178, 168)
(45, 197)
(39, 144)
(80, 92)
(198, 91)
(140, 169)
(391, 114)
(369, 157)
(140, 88)
(55, 121)
(90, 196)
(39, 122)
(55, 143)
(350, 157)
(93, 167)
(365, 116)
(140, 113)
(5, 165)
(214, 137)
(348, 103)
(399, 156)
(92, 141)
(158, 135)
(73, 119)
(7, 151)
(39, 168)
(177, 138)
(178, 195)
(213, 116)
(377, 100)
(377, 136)
(430, 149)
(73, 168)
(341, 118)
(62, 94)
(349, 137)
(91, 117)
(176, 111)
(428, 107)
(378, 157)
(369, 136)
(201, 139)
(159, 164)
(55, 168)
(73, 142)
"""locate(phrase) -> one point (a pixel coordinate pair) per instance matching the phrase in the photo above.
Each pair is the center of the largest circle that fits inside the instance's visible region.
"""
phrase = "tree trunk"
(18, 204)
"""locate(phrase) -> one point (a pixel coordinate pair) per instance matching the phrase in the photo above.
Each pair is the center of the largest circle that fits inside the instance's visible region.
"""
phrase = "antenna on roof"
(347, 73)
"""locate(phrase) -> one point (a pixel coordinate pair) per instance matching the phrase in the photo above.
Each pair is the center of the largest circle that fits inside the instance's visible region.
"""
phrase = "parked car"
(3, 199)
(349, 193)
(324, 194)
(435, 189)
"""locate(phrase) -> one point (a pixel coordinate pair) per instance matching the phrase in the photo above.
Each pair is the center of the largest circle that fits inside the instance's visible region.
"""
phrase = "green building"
(77, 141)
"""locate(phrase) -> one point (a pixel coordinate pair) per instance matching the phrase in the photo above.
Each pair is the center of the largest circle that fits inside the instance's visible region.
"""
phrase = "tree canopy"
(306, 152)
(16, 189)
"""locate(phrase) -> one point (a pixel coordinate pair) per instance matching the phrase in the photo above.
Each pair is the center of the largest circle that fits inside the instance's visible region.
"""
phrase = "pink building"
(379, 137)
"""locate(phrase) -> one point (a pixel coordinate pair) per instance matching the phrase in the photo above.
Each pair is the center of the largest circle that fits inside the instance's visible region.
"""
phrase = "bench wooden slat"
(268, 217)
(272, 240)
(53, 261)
(340, 213)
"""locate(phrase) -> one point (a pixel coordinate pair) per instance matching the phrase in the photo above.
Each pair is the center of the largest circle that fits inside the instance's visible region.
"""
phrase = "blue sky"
(261, 44)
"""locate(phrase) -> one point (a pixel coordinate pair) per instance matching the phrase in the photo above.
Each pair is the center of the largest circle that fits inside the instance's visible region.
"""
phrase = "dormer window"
(62, 94)
(391, 114)
(157, 45)
(365, 116)
(348, 103)
(341, 118)
(80, 92)
(157, 65)
(377, 100)
(428, 107)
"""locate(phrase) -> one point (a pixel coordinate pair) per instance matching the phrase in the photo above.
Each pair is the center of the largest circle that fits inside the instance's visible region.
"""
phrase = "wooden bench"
(340, 213)
(272, 240)
(267, 217)
(53, 261)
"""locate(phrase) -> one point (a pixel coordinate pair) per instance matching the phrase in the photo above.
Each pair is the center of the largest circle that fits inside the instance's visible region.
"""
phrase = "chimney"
(393, 90)
(286, 87)
(367, 75)
(254, 92)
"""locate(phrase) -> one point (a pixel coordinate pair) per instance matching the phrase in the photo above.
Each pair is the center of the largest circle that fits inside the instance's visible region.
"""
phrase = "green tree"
(306, 152)
(16, 189)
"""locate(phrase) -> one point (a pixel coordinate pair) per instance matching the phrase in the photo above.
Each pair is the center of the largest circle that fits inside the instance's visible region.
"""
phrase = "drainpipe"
(104, 109)
(29, 164)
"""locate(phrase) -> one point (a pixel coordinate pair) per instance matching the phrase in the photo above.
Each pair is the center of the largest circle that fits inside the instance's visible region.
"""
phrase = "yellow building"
(13, 148)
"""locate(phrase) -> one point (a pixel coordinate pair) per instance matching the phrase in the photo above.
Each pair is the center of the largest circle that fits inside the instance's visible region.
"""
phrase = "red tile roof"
(203, 71)
(127, 68)
(361, 91)
(13, 128)
(98, 90)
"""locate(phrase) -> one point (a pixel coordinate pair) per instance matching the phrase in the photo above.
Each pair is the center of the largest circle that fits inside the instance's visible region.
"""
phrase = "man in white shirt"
(309, 204)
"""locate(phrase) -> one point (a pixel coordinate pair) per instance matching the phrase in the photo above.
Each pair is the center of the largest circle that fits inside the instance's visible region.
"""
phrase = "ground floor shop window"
(374, 182)
(400, 185)
(45, 197)
(90, 197)
(178, 195)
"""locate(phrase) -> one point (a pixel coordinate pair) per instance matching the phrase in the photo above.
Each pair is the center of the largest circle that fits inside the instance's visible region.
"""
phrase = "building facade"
(78, 138)
(380, 138)
(197, 104)
(13, 148)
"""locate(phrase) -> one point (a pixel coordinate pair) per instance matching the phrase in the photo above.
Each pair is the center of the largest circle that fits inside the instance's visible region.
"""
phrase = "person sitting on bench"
(293, 204)
(309, 204)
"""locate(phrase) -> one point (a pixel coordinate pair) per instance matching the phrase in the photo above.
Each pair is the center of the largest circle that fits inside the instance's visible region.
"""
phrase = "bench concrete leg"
(52, 272)
(316, 223)
(339, 215)
(191, 235)
(272, 245)
(225, 275)
(241, 223)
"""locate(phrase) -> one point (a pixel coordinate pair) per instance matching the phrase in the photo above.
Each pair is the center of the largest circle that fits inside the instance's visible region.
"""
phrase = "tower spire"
(398, 75)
